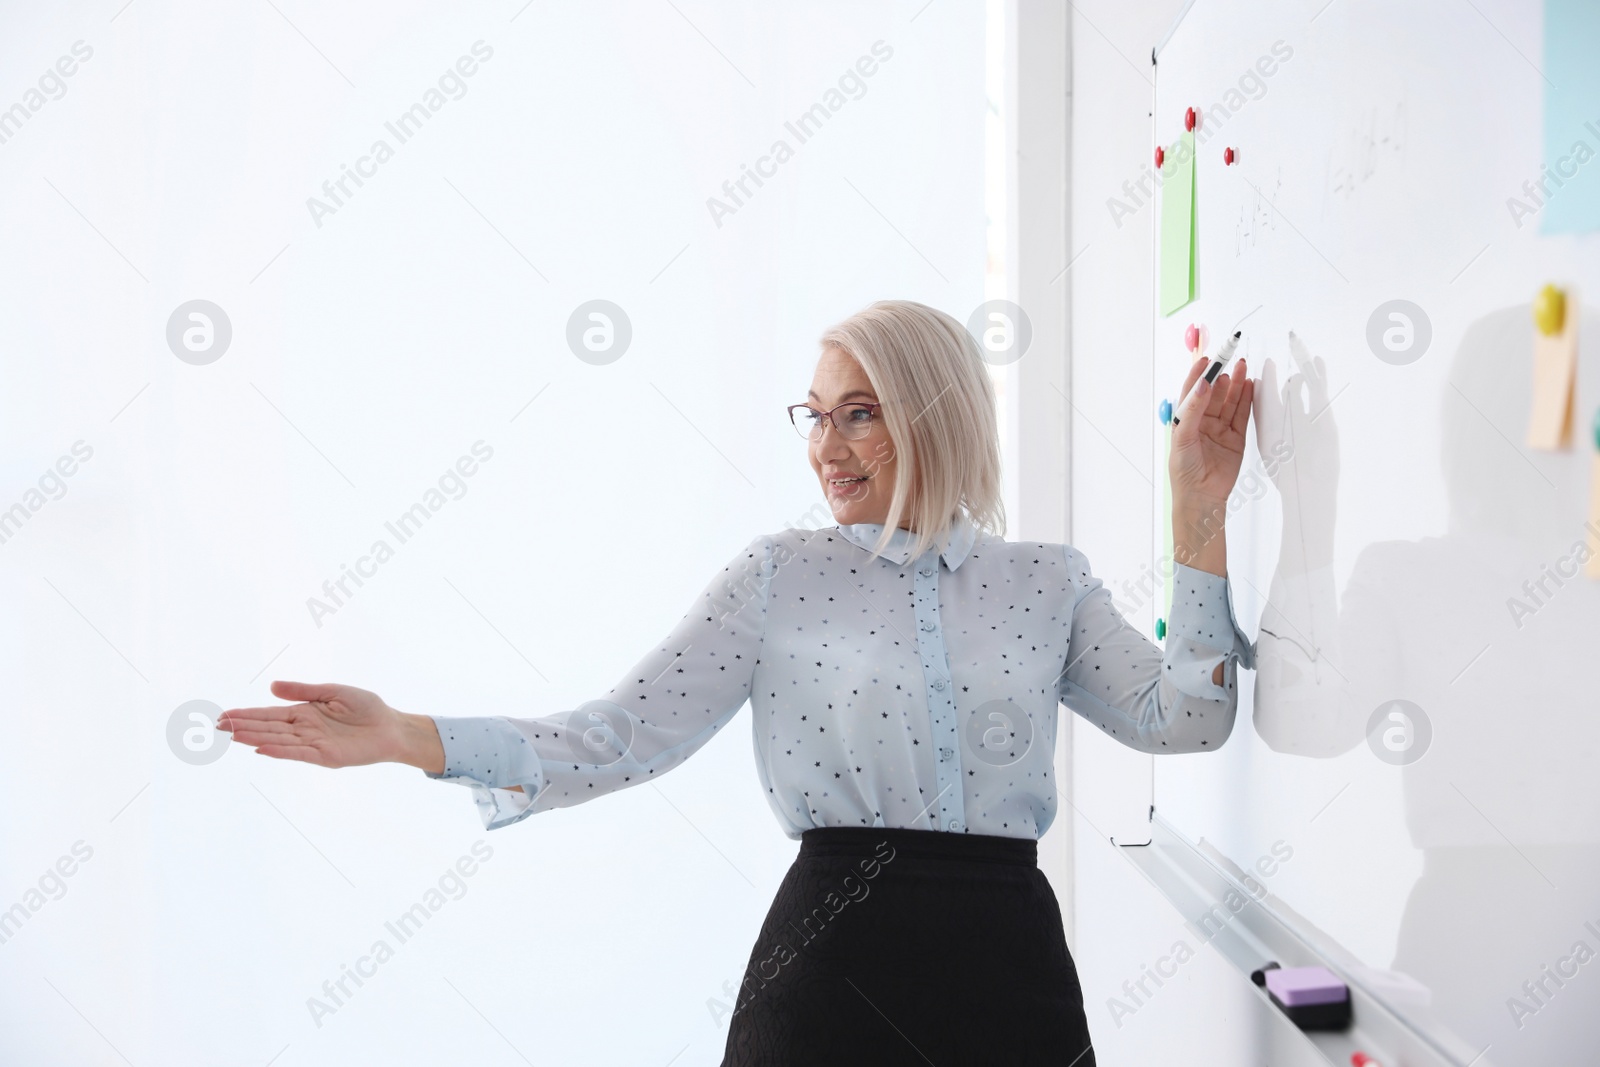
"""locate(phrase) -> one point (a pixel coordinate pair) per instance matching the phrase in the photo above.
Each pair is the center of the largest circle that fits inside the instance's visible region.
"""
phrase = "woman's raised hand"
(333, 726)
(1208, 442)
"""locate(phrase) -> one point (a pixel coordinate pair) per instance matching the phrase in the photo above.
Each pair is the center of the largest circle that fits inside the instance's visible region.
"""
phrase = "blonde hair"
(939, 409)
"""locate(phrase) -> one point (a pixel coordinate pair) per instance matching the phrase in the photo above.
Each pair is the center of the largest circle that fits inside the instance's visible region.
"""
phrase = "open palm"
(334, 726)
(1208, 441)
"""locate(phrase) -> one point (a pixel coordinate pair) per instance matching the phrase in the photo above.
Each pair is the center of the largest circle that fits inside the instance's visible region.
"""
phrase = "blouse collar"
(865, 535)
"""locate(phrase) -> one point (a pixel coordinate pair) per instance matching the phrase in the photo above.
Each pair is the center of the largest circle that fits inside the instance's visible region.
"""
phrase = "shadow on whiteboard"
(1465, 660)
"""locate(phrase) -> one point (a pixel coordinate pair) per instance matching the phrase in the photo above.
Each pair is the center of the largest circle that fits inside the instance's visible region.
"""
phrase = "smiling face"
(840, 379)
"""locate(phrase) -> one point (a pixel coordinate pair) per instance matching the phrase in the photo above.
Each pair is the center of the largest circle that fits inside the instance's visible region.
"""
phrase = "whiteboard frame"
(1177, 20)
(1197, 881)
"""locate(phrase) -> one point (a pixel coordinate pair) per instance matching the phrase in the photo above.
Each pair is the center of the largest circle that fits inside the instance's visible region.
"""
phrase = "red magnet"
(1191, 338)
(1191, 119)
(1160, 156)
(1229, 156)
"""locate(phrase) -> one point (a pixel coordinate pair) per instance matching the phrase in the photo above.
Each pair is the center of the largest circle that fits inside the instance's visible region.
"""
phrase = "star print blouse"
(883, 691)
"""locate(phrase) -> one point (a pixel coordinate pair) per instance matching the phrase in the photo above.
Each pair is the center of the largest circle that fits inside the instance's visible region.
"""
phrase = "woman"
(904, 669)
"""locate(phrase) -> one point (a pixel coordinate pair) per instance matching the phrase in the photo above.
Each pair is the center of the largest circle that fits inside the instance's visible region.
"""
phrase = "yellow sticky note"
(1177, 225)
(1555, 364)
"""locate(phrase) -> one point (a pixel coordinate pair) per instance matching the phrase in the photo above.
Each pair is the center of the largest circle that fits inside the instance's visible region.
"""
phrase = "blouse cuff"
(1202, 611)
(501, 807)
(489, 755)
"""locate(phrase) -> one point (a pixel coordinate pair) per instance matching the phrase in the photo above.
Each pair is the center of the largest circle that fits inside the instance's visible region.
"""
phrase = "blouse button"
(938, 683)
(925, 571)
(947, 752)
(955, 824)
(928, 625)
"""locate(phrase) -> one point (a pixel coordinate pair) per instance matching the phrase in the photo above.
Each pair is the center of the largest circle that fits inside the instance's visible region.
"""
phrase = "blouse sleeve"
(1150, 699)
(661, 712)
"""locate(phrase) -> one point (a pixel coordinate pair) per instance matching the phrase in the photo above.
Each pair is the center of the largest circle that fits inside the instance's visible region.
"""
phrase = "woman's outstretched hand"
(335, 726)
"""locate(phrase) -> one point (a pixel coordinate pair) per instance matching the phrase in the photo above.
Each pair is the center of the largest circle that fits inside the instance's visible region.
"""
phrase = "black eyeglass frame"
(871, 408)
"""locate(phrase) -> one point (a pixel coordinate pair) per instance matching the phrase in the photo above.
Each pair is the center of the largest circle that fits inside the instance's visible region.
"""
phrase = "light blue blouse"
(883, 692)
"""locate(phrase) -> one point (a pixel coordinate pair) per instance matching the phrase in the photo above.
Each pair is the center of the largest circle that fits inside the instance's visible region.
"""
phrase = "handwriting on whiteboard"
(1367, 148)
(1258, 215)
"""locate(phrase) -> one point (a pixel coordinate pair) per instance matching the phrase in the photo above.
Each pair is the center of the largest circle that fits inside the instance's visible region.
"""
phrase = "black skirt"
(917, 947)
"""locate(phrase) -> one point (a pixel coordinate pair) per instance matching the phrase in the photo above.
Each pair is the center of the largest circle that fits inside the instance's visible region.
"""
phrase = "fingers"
(234, 716)
(1229, 397)
(1191, 408)
(1237, 379)
(239, 728)
(306, 690)
(1195, 370)
(1241, 414)
(280, 713)
(272, 738)
(255, 738)
(1218, 395)
(265, 731)
(304, 753)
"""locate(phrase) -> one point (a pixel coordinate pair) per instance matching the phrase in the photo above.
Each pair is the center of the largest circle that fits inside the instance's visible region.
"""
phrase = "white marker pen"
(1221, 357)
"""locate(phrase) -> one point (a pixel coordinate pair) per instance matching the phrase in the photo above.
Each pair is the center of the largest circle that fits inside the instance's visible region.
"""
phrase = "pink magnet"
(1191, 338)
(1229, 156)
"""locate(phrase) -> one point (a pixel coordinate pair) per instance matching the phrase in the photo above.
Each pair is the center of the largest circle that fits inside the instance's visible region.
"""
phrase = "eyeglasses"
(851, 421)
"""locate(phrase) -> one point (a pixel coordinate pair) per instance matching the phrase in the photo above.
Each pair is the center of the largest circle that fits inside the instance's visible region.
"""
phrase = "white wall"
(368, 353)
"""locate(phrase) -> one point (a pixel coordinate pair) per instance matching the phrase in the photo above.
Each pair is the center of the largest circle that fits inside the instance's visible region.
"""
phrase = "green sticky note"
(1177, 225)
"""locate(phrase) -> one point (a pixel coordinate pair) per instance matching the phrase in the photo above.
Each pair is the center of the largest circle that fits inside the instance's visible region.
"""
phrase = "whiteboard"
(1458, 861)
